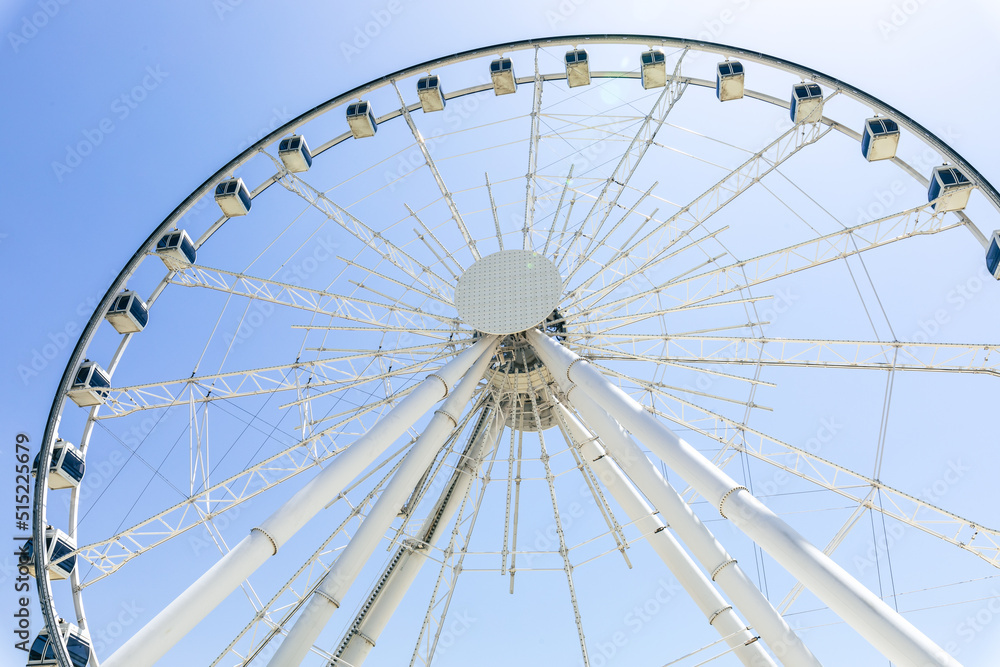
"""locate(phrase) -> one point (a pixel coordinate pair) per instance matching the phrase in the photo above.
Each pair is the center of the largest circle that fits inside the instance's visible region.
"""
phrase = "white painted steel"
(719, 613)
(726, 572)
(326, 598)
(158, 636)
(45, 596)
(362, 638)
(508, 291)
(892, 635)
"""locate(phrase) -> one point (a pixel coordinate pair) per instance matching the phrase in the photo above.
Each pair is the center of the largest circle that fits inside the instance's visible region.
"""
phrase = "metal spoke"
(366, 235)
(942, 524)
(616, 184)
(648, 318)
(710, 202)
(563, 551)
(451, 568)
(747, 350)
(122, 401)
(529, 195)
(316, 301)
(493, 209)
(799, 257)
(111, 553)
(455, 214)
(313, 569)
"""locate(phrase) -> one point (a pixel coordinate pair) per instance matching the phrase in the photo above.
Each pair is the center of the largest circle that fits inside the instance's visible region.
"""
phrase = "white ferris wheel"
(590, 350)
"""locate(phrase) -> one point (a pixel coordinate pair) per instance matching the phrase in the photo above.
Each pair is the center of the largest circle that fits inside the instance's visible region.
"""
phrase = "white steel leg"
(892, 635)
(719, 614)
(326, 598)
(384, 600)
(158, 636)
(773, 628)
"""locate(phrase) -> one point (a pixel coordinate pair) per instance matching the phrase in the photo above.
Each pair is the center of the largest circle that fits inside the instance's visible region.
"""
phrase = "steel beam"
(892, 635)
(326, 598)
(720, 615)
(157, 637)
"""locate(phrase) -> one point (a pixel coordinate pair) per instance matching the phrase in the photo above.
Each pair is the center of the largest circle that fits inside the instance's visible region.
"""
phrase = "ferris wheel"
(580, 350)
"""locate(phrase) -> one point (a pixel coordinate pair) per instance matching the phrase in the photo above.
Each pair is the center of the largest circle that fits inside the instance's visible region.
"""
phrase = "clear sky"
(166, 93)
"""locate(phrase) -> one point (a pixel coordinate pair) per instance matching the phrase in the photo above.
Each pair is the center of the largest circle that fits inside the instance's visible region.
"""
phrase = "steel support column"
(720, 615)
(726, 572)
(892, 635)
(326, 598)
(370, 624)
(188, 609)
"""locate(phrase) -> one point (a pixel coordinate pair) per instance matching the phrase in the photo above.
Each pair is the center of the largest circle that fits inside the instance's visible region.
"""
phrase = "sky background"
(214, 76)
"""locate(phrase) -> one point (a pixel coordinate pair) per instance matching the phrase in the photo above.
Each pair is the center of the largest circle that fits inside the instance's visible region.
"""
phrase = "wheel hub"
(508, 292)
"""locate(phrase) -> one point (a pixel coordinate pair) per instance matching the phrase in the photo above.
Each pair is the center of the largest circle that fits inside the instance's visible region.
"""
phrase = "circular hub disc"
(508, 291)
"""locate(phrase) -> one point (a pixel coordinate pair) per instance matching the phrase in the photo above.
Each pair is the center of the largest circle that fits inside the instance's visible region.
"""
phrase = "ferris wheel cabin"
(993, 255)
(66, 468)
(90, 387)
(128, 313)
(57, 545)
(949, 190)
(430, 94)
(880, 139)
(577, 68)
(176, 250)
(653, 69)
(294, 153)
(502, 74)
(729, 81)
(43, 653)
(233, 197)
(807, 103)
(361, 120)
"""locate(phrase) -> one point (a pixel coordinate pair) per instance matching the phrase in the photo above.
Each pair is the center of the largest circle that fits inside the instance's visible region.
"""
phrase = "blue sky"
(164, 94)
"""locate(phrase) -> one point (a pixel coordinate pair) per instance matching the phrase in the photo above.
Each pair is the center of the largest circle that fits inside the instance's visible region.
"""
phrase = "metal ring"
(570, 367)
(731, 491)
(454, 422)
(716, 571)
(435, 375)
(326, 596)
(274, 544)
(714, 616)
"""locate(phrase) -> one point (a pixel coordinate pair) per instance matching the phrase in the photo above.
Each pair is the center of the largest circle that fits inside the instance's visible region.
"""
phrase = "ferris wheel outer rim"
(41, 486)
